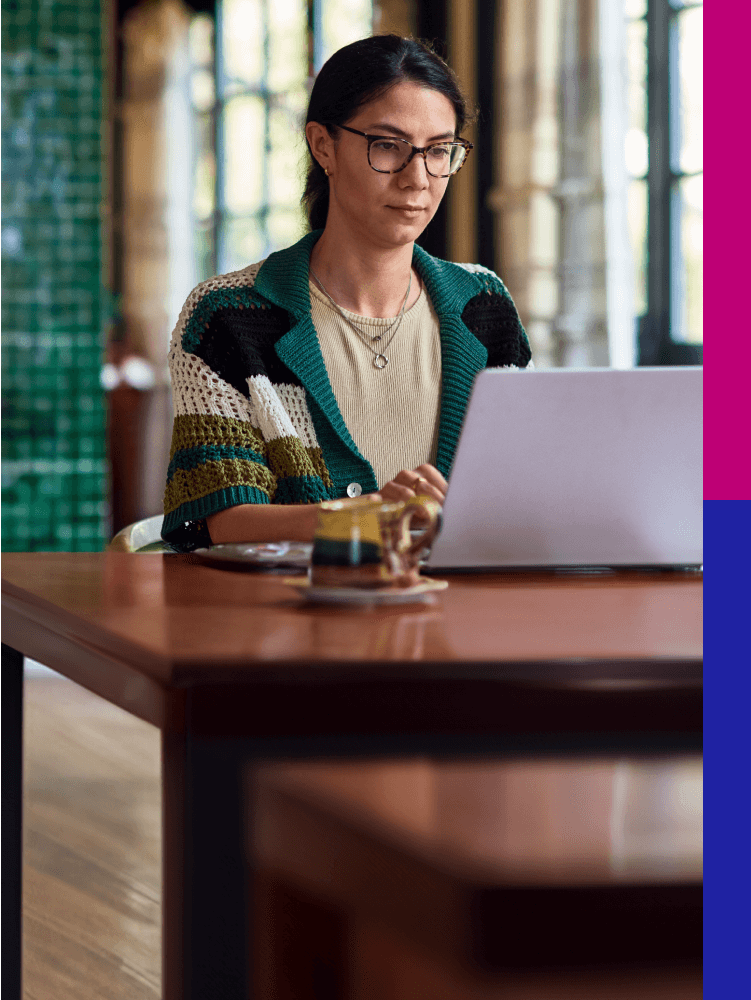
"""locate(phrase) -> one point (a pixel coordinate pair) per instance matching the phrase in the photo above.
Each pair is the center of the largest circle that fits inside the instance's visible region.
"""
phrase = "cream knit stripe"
(269, 414)
(492, 282)
(294, 401)
(277, 410)
(477, 269)
(514, 368)
(198, 389)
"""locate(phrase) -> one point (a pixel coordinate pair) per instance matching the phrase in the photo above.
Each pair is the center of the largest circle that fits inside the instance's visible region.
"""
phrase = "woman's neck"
(369, 281)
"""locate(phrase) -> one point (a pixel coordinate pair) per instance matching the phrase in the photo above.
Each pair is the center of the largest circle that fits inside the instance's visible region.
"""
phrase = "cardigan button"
(354, 490)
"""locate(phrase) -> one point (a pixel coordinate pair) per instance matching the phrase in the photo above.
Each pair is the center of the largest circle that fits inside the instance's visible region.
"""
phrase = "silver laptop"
(577, 468)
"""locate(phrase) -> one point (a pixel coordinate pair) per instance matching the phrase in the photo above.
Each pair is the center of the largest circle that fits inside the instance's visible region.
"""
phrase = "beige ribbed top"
(392, 413)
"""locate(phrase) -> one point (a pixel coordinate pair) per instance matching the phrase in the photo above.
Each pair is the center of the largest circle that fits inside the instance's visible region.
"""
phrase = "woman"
(343, 364)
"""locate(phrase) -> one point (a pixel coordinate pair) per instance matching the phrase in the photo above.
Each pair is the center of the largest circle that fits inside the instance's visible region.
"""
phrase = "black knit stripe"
(493, 319)
(240, 296)
(239, 343)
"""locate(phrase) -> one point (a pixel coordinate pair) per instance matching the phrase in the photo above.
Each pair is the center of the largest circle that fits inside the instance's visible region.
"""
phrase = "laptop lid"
(591, 467)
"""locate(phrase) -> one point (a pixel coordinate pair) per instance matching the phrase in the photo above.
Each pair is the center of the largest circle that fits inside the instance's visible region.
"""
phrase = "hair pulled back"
(361, 72)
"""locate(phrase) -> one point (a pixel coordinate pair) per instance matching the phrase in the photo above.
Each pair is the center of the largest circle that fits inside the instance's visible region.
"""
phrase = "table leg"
(206, 932)
(12, 819)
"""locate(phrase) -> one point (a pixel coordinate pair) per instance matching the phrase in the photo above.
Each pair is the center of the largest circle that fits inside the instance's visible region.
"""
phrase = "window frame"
(227, 90)
(656, 345)
(221, 214)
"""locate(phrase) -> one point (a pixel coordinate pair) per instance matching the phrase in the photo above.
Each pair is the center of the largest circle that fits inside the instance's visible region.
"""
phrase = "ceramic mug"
(367, 542)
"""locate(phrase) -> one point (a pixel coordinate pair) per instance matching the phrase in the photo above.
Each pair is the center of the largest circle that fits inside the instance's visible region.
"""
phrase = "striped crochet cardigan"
(256, 420)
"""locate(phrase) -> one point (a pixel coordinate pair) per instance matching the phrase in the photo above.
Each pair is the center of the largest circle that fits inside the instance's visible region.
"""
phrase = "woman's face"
(388, 210)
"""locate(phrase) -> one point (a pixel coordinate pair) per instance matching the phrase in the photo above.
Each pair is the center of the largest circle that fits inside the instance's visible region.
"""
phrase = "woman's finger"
(426, 489)
(396, 491)
(422, 484)
(408, 483)
(433, 476)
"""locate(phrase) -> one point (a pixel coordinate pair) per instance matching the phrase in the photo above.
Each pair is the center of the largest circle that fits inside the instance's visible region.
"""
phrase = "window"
(687, 200)
(253, 67)
(665, 163)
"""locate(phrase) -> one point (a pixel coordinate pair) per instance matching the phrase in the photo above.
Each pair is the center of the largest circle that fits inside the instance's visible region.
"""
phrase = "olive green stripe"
(287, 456)
(319, 464)
(186, 485)
(192, 430)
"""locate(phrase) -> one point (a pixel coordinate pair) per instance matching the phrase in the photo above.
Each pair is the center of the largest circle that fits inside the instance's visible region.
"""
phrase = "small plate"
(257, 555)
(359, 595)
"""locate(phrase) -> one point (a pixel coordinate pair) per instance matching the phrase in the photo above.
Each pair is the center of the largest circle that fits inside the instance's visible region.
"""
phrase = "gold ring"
(416, 483)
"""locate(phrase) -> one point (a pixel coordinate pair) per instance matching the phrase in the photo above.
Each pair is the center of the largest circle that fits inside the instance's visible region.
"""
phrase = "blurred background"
(148, 145)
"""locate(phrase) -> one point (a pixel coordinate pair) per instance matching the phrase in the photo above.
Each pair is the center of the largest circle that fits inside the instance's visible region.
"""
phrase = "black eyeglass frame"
(423, 151)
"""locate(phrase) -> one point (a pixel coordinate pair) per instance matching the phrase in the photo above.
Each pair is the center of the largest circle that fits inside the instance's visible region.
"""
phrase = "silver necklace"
(380, 360)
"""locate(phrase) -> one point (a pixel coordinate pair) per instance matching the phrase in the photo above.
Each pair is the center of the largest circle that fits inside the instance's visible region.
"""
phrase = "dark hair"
(362, 72)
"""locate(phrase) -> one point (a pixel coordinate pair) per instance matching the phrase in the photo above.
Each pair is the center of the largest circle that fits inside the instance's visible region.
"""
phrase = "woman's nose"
(415, 174)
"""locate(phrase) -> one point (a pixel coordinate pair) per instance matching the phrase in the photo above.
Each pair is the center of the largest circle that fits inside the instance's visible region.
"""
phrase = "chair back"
(141, 536)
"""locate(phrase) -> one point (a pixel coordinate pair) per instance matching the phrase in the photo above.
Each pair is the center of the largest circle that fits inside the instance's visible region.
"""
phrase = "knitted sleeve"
(242, 431)
(218, 456)
(493, 319)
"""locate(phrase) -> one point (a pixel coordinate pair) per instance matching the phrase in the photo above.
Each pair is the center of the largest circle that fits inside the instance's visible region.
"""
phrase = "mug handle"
(433, 509)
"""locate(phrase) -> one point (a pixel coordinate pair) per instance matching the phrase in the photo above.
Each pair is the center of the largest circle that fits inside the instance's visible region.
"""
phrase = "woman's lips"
(409, 210)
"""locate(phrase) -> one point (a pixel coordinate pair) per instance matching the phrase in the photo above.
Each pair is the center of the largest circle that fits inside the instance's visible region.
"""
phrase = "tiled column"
(53, 304)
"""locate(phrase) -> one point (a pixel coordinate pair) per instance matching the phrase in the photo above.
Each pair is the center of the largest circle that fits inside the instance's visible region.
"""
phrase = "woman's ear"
(321, 145)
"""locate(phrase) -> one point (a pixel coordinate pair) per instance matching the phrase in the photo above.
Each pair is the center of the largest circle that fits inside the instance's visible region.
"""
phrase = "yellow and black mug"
(367, 542)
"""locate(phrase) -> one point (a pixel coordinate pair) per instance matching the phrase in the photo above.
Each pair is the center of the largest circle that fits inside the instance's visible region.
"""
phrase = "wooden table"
(478, 880)
(235, 669)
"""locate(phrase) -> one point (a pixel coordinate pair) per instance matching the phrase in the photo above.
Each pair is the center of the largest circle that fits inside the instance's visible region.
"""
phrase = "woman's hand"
(425, 480)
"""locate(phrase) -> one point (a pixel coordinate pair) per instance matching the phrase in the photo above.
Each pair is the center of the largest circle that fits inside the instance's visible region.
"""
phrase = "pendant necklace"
(380, 360)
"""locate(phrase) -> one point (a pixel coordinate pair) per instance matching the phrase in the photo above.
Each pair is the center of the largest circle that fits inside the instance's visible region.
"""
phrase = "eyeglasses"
(388, 155)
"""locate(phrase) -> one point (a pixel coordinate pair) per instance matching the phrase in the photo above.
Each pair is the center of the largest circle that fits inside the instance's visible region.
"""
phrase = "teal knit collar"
(283, 281)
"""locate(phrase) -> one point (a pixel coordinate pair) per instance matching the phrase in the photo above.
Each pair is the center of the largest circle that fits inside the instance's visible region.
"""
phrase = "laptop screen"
(592, 467)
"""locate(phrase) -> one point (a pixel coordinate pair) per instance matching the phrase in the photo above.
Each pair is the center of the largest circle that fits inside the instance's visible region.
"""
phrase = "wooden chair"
(141, 536)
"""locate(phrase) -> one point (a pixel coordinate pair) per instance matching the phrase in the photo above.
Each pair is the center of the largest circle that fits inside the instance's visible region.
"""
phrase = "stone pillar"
(462, 190)
(548, 194)
(397, 16)
(581, 324)
(157, 176)
(527, 166)
(158, 264)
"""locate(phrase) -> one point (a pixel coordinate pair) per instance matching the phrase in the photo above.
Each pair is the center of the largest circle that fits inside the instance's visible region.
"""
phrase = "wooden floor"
(92, 846)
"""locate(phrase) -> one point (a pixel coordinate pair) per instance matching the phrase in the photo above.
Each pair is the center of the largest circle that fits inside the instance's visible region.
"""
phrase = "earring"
(326, 171)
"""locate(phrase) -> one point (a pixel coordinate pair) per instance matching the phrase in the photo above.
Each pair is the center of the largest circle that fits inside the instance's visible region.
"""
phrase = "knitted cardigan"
(256, 420)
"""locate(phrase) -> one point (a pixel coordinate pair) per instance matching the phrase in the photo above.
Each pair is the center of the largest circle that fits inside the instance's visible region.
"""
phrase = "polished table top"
(140, 628)
(187, 620)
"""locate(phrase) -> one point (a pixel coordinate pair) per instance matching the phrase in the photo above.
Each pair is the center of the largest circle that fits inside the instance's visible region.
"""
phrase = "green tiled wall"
(54, 472)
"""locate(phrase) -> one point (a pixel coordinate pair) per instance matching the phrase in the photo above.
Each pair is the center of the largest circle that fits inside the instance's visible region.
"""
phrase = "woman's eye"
(385, 146)
(439, 152)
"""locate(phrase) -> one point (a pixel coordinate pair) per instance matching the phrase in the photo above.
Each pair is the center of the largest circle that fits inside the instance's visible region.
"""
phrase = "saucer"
(422, 591)
(256, 555)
